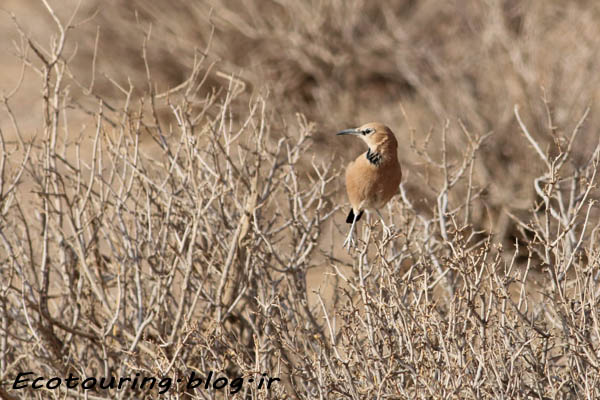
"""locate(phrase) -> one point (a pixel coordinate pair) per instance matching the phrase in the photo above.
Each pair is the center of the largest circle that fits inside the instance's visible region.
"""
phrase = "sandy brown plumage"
(372, 179)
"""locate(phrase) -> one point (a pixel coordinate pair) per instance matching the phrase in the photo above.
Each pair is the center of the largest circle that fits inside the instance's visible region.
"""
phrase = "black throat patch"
(374, 158)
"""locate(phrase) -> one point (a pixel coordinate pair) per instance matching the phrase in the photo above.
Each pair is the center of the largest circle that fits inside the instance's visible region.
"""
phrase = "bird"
(373, 178)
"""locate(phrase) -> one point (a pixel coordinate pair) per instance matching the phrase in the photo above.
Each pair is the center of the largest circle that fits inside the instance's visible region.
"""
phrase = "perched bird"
(373, 178)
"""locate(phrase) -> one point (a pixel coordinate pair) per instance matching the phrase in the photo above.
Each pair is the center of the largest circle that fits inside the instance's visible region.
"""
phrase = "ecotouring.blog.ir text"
(195, 381)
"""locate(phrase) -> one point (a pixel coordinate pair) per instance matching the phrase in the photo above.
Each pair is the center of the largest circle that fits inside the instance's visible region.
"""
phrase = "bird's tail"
(350, 217)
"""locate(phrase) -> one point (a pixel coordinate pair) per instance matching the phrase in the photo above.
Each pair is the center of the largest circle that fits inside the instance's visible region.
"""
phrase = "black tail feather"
(350, 217)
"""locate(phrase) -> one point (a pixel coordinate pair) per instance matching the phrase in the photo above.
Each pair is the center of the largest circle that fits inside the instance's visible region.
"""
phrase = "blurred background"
(415, 65)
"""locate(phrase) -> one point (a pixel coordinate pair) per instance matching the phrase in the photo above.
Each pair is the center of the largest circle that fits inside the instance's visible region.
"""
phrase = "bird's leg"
(386, 231)
(349, 240)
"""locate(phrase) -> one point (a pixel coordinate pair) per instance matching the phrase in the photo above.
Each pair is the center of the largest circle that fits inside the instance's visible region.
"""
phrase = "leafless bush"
(164, 232)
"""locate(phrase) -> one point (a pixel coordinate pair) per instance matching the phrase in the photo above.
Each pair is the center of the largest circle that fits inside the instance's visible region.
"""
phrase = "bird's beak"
(349, 132)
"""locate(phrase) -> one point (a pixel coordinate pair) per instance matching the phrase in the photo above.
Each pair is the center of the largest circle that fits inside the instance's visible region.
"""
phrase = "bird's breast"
(371, 186)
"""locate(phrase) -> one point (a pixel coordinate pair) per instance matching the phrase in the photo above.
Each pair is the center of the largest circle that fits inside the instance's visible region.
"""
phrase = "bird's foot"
(348, 243)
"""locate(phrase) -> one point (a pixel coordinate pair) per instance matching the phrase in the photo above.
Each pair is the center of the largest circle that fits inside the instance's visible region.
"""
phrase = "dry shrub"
(344, 63)
(167, 222)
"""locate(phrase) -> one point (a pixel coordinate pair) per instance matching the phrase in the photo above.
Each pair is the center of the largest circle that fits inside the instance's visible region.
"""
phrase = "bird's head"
(374, 134)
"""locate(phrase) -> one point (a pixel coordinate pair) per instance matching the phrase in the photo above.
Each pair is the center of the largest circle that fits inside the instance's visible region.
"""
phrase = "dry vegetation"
(171, 199)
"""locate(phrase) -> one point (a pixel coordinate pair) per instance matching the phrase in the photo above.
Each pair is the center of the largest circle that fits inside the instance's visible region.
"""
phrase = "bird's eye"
(367, 131)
